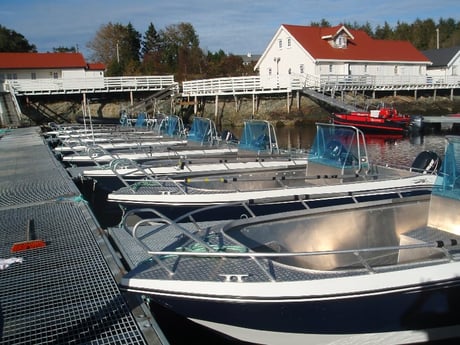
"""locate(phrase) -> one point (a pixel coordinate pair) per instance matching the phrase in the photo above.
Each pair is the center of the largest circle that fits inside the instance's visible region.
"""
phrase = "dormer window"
(341, 41)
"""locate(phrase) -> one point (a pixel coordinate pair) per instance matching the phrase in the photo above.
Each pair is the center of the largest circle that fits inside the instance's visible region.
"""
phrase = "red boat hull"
(381, 121)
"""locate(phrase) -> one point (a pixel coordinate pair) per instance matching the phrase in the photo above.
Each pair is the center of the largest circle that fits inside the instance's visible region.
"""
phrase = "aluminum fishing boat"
(202, 141)
(380, 272)
(337, 165)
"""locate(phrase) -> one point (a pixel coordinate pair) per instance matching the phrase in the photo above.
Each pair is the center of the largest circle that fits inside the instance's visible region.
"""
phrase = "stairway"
(150, 104)
(8, 114)
(330, 101)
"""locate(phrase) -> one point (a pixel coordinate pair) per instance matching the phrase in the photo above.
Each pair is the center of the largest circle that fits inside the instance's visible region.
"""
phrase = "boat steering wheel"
(334, 149)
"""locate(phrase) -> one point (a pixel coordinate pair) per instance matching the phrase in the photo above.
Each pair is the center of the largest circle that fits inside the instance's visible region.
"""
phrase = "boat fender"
(427, 162)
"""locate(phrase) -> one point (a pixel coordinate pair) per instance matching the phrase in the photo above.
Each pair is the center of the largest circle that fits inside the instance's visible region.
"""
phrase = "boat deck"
(65, 292)
(171, 239)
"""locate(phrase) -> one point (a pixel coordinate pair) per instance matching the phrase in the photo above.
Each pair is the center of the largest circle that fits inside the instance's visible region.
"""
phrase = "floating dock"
(441, 119)
(58, 270)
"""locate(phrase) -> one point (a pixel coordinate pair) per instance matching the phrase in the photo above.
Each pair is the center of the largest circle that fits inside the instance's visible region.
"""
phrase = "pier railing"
(89, 85)
(381, 83)
(240, 85)
(230, 85)
(336, 82)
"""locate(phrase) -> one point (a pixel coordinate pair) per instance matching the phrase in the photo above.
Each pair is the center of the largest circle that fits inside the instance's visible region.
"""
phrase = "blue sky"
(235, 26)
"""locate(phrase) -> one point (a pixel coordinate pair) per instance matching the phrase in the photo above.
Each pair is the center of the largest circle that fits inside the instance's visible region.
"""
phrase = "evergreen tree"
(151, 41)
(11, 41)
(384, 33)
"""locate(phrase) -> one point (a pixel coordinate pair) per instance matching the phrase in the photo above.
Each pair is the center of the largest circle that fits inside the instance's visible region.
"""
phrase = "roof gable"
(342, 30)
(359, 46)
(442, 57)
(41, 60)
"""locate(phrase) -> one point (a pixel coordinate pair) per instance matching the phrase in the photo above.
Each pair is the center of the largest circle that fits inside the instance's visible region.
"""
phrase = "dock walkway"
(65, 292)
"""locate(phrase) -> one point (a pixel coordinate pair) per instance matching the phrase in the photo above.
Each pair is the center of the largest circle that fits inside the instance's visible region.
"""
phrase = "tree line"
(172, 50)
(423, 34)
(176, 50)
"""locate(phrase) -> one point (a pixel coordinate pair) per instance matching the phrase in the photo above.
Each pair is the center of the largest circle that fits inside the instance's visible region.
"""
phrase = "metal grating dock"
(65, 292)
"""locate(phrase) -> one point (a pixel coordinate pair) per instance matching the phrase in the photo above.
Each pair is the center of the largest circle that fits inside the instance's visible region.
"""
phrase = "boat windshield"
(339, 146)
(171, 126)
(202, 131)
(258, 135)
(448, 181)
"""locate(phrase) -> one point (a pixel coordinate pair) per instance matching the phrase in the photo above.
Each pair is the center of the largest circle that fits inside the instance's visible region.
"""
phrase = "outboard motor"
(427, 162)
(228, 136)
(416, 123)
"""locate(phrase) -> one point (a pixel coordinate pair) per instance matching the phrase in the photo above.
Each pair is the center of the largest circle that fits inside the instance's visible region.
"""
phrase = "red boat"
(383, 120)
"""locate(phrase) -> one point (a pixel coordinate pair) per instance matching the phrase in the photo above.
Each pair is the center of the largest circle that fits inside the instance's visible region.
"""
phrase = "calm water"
(381, 149)
(384, 149)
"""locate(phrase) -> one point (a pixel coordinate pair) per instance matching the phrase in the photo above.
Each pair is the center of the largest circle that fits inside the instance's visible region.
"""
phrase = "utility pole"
(437, 38)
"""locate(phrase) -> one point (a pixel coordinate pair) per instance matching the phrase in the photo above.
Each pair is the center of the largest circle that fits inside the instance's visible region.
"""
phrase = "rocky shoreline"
(275, 109)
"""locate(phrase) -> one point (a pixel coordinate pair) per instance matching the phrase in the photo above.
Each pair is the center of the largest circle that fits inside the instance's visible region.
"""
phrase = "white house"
(51, 70)
(446, 62)
(315, 52)
(47, 65)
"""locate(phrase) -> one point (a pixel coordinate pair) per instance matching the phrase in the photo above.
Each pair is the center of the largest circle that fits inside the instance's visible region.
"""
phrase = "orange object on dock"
(30, 242)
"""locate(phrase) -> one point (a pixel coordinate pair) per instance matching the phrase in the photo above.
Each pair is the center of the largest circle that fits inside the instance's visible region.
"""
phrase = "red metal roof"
(96, 66)
(41, 60)
(361, 47)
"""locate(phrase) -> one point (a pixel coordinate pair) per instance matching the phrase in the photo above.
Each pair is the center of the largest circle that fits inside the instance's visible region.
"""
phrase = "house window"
(55, 75)
(33, 75)
(289, 70)
(270, 71)
(365, 68)
(330, 68)
(396, 70)
(341, 42)
(289, 42)
(301, 68)
(280, 43)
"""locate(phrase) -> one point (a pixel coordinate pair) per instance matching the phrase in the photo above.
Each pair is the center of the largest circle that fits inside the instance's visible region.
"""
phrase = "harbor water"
(382, 149)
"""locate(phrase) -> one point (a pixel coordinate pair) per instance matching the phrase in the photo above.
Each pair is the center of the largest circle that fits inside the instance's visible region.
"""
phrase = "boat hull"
(264, 203)
(421, 312)
(378, 126)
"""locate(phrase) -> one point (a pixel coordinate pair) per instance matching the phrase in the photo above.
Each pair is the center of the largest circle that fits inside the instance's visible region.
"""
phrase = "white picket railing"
(229, 85)
(89, 85)
(239, 85)
(257, 84)
(395, 82)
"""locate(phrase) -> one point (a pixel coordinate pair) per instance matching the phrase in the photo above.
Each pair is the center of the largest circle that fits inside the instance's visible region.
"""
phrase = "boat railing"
(123, 163)
(73, 143)
(162, 219)
(171, 185)
(161, 223)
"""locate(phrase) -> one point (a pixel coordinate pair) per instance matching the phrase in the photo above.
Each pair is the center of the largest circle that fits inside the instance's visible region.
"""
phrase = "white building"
(312, 52)
(51, 71)
(446, 62)
(47, 65)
